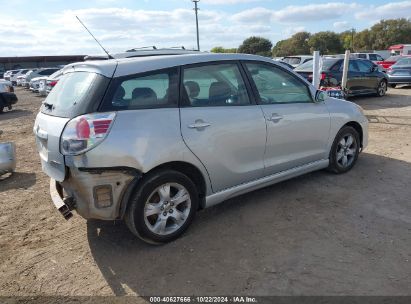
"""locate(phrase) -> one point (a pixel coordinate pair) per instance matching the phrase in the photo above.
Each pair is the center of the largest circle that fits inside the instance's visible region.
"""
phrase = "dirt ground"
(319, 234)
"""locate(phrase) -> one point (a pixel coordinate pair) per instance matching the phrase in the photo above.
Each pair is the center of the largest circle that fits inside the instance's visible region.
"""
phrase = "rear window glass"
(74, 94)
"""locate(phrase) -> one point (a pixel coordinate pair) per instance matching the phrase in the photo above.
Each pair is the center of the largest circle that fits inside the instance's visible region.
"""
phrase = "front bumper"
(93, 193)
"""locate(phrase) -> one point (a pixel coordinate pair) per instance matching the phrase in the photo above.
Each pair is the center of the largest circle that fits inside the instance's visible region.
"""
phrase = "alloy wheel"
(167, 208)
(382, 88)
(346, 151)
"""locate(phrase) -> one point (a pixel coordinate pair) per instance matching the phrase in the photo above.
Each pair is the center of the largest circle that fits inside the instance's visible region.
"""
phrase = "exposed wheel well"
(357, 128)
(192, 172)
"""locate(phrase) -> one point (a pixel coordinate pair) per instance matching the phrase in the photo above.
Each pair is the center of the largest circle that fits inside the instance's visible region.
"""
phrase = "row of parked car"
(367, 72)
(39, 80)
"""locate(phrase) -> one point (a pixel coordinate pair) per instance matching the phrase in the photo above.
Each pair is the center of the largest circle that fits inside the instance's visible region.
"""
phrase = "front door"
(297, 127)
(221, 125)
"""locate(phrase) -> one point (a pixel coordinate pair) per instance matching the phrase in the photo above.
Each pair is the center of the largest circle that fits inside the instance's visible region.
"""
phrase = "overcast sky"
(49, 27)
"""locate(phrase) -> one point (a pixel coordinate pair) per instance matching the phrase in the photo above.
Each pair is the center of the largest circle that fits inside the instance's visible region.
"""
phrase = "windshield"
(74, 94)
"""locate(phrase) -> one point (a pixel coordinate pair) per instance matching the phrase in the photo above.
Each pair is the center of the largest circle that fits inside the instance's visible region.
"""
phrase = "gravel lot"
(319, 234)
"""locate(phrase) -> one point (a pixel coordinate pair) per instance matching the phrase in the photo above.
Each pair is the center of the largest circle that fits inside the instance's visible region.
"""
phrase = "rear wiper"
(48, 106)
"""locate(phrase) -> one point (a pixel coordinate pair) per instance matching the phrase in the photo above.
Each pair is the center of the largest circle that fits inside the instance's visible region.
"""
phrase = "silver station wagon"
(152, 140)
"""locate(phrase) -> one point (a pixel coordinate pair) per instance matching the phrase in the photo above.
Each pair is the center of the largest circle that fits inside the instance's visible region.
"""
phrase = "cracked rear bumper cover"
(57, 198)
(76, 192)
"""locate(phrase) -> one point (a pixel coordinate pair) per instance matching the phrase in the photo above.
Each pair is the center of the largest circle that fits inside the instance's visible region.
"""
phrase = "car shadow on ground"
(316, 234)
(17, 180)
(14, 113)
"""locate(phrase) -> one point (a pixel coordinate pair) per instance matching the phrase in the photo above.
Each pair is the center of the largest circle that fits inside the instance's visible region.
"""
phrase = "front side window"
(153, 90)
(214, 85)
(277, 86)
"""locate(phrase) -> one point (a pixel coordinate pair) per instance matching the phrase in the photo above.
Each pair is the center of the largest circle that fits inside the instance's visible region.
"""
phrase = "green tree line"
(379, 37)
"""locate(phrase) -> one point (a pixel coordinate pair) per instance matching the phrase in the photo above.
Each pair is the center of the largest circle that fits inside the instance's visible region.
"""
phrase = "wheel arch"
(188, 169)
(357, 127)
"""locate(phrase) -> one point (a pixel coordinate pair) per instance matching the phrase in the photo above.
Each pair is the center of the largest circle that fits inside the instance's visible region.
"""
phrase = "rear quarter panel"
(141, 139)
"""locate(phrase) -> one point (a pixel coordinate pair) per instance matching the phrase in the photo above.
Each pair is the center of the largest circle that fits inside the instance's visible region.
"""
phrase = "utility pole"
(196, 11)
(352, 39)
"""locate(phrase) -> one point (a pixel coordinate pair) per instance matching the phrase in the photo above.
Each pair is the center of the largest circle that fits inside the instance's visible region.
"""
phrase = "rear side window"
(150, 90)
(364, 66)
(364, 56)
(373, 57)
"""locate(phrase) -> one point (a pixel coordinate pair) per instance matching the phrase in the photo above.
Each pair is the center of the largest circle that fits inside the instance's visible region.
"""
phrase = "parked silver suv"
(151, 140)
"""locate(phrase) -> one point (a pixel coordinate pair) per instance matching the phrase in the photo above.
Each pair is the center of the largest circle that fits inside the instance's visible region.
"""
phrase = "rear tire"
(162, 207)
(382, 88)
(344, 151)
(393, 85)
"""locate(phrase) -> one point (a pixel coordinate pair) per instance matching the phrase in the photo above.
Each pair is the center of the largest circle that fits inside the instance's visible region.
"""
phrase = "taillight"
(323, 75)
(85, 132)
(53, 83)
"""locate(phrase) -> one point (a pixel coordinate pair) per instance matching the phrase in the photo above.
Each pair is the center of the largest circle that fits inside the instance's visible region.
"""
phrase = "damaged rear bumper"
(95, 193)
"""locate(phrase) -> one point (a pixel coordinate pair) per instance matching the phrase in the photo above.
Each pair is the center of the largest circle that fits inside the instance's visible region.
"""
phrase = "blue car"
(364, 77)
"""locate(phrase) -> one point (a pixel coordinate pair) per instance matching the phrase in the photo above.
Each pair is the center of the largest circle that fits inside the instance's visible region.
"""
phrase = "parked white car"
(14, 75)
(38, 73)
(47, 84)
(20, 80)
(295, 61)
(34, 84)
(370, 56)
(7, 74)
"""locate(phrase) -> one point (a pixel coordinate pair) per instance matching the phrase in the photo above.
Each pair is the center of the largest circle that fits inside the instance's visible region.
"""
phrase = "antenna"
(105, 51)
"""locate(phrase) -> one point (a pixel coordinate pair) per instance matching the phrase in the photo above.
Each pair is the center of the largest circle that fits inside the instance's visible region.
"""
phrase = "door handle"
(275, 118)
(199, 125)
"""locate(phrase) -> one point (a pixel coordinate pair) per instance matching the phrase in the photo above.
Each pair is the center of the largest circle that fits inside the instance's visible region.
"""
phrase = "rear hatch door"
(48, 130)
(79, 91)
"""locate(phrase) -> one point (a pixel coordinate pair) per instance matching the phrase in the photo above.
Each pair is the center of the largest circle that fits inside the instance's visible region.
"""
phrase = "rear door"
(221, 124)
(297, 127)
(369, 76)
(355, 83)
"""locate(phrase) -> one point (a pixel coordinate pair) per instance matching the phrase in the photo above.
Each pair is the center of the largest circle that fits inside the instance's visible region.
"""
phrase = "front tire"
(393, 85)
(382, 88)
(344, 151)
(162, 207)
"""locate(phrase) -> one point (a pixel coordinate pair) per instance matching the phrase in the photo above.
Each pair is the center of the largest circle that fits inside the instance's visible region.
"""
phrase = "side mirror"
(320, 96)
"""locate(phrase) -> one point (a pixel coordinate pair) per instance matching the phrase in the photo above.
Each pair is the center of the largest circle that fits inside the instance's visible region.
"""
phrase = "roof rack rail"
(178, 47)
(153, 47)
